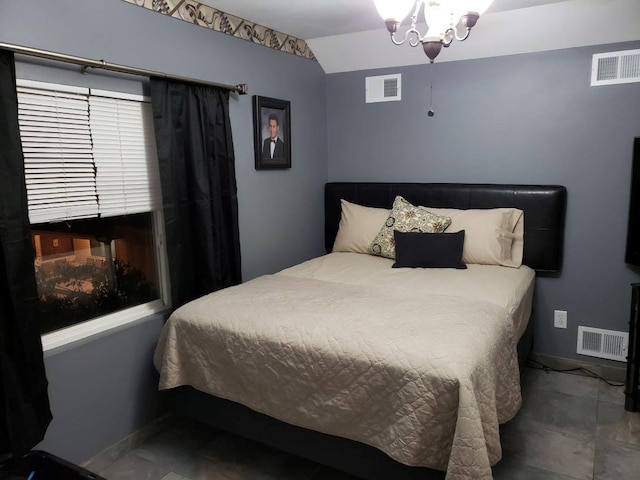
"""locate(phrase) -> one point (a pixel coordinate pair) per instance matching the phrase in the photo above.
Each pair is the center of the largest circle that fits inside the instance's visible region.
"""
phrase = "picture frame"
(271, 121)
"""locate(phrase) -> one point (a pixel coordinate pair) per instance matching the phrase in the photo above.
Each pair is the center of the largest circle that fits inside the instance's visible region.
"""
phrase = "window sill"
(75, 335)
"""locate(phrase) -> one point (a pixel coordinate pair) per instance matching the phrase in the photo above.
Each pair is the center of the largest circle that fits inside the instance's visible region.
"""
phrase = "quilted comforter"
(426, 378)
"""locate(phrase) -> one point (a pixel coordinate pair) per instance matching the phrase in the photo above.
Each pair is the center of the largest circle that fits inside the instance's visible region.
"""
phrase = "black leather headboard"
(543, 205)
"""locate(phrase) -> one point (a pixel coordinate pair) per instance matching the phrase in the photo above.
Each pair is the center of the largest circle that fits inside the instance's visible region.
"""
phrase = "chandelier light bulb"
(438, 19)
(395, 10)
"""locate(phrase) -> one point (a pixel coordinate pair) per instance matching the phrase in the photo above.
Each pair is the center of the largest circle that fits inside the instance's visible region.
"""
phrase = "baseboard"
(611, 373)
(106, 457)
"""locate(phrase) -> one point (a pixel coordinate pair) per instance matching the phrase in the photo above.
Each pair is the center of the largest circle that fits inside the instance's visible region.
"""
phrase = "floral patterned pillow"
(405, 217)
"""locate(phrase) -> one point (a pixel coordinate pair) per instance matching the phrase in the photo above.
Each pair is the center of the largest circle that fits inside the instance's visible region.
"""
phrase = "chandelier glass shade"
(447, 20)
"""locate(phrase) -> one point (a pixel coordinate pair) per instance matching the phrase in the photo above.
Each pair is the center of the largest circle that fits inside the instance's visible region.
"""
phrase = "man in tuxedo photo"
(273, 146)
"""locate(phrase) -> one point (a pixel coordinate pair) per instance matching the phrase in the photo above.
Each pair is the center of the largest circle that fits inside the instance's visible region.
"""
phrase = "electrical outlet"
(560, 318)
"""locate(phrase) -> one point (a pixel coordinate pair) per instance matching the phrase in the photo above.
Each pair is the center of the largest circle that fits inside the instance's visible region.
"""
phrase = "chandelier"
(444, 20)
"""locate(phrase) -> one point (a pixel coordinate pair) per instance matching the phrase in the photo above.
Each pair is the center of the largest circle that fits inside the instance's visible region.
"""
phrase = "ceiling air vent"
(383, 88)
(615, 67)
(600, 343)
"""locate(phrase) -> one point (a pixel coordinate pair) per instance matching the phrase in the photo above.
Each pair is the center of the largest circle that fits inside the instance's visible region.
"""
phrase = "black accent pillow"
(429, 250)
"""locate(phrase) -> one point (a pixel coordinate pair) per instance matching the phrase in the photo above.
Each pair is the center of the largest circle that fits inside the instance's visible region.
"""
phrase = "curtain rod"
(85, 63)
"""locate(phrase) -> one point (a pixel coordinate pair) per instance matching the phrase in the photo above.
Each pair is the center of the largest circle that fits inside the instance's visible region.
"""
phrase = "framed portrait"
(271, 133)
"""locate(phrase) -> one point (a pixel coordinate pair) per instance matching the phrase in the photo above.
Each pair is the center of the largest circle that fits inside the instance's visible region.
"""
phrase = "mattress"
(347, 346)
(509, 288)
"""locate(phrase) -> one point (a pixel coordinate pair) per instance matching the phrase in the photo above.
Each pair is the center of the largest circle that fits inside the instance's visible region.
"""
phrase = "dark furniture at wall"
(633, 353)
(544, 208)
(41, 465)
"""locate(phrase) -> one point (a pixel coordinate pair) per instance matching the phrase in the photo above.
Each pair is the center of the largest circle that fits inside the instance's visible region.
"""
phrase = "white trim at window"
(100, 325)
(162, 261)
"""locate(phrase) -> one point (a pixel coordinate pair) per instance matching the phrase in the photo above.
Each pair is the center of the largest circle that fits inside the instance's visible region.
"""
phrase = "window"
(89, 268)
(94, 201)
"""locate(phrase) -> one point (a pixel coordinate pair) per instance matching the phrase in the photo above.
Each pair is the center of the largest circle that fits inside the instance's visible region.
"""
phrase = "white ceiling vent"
(615, 67)
(600, 343)
(383, 88)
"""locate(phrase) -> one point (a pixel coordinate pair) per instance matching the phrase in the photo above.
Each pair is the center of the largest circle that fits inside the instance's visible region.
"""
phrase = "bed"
(327, 359)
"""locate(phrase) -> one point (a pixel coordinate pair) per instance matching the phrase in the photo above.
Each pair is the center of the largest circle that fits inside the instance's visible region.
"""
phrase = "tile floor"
(570, 427)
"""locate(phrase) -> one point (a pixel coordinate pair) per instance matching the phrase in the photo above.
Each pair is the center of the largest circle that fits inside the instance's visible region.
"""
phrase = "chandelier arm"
(396, 42)
(448, 37)
(414, 42)
(464, 37)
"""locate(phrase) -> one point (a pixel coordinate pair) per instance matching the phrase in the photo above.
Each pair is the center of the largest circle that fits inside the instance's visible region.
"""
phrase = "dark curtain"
(199, 194)
(24, 402)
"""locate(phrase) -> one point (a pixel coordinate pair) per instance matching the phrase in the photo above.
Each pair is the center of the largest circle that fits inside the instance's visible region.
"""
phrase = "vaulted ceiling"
(308, 19)
(348, 35)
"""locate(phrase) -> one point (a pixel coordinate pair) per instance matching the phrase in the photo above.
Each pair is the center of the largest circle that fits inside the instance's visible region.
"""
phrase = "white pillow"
(359, 225)
(493, 236)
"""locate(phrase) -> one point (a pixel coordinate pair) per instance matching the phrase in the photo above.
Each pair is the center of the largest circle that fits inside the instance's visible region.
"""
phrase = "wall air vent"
(615, 67)
(609, 344)
(383, 88)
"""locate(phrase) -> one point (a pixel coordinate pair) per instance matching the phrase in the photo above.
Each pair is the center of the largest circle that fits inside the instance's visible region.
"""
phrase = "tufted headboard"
(543, 205)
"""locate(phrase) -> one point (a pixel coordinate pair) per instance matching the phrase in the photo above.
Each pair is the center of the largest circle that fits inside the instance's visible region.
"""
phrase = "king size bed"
(357, 363)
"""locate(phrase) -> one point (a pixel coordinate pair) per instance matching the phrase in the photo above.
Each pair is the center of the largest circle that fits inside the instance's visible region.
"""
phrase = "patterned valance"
(208, 17)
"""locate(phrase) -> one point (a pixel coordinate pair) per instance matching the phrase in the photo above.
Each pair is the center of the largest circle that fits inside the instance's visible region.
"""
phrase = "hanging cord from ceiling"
(431, 111)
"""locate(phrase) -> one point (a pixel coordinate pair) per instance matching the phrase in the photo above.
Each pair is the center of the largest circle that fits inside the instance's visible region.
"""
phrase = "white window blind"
(87, 152)
(56, 140)
(124, 150)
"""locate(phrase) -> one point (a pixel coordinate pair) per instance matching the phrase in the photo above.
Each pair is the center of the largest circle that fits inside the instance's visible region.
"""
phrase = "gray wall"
(105, 389)
(517, 119)
(526, 119)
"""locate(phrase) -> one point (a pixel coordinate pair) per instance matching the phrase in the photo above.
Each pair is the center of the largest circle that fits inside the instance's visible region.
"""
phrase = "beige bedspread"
(425, 378)
(510, 288)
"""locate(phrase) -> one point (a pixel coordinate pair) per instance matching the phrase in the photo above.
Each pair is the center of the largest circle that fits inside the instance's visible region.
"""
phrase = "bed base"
(544, 208)
(346, 455)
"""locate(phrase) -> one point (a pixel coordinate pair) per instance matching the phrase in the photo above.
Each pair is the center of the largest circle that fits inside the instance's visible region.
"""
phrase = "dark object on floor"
(43, 466)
